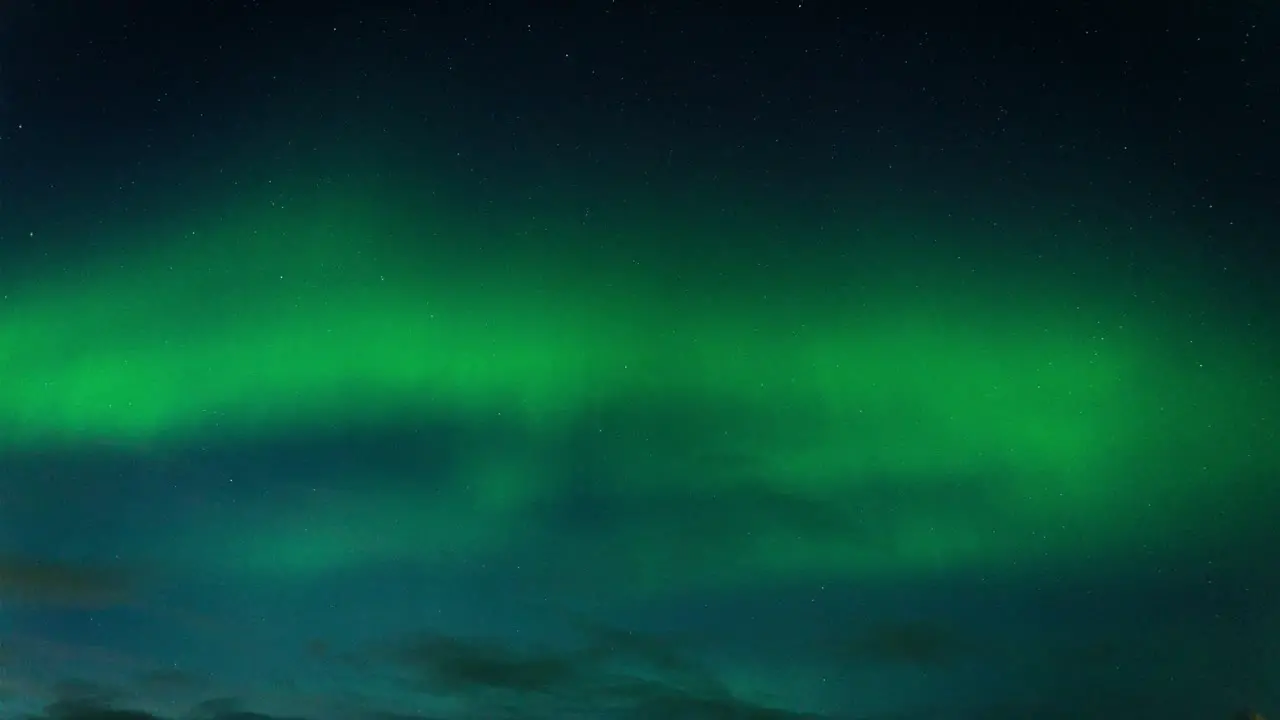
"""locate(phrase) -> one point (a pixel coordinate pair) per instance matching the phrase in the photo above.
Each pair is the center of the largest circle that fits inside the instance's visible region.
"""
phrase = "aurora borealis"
(344, 391)
(1083, 401)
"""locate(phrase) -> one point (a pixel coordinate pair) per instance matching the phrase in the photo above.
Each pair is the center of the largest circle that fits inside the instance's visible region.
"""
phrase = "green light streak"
(344, 312)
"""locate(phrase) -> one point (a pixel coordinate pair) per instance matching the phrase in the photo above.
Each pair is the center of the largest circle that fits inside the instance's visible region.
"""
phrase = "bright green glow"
(814, 387)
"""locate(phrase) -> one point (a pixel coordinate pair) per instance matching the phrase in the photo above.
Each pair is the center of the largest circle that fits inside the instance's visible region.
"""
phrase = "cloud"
(167, 680)
(643, 699)
(89, 710)
(84, 701)
(97, 710)
(649, 653)
(454, 666)
(913, 642)
(609, 673)
(622, 699)
(58, 583)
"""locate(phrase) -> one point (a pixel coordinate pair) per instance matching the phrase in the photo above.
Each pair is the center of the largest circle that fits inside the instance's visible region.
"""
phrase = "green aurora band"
(1092, 419)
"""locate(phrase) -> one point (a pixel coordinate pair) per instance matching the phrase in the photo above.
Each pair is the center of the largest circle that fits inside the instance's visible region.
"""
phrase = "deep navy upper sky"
(639, 360)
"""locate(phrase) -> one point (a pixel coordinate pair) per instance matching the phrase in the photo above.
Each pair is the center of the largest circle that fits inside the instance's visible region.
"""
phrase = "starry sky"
(632, 360)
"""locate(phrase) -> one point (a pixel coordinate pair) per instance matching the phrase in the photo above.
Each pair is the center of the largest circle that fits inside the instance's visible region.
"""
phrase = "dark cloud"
(913, 642)
(76, 699)
(89, 710)
(455, 666)
(97, 710)
(59, 583)
(84, 691)
(645, 652)
(215, 708)
(80, 701)
(642, 699)
(167, 680)
(396, 716)
(248, 715)
(611, 673)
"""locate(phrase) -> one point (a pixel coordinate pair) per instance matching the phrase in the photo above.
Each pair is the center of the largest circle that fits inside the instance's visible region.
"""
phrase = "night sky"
(639, 360)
